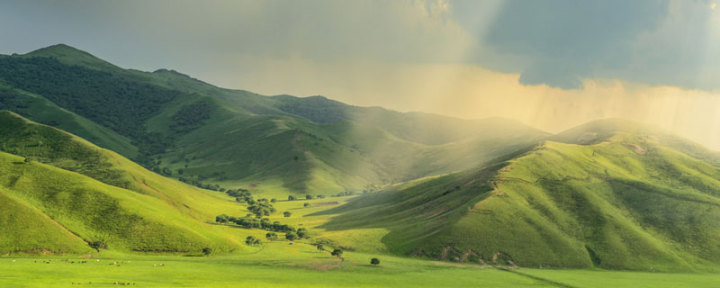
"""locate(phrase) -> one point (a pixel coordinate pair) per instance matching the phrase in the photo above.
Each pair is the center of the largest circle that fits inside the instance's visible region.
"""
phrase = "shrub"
(207, 251)
(375, 261)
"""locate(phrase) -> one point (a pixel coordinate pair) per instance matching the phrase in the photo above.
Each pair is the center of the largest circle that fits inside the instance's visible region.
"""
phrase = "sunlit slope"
(629, 202)
(182, 127)
(125, 205)
(55, 147)
(94, 211)
(26, 229)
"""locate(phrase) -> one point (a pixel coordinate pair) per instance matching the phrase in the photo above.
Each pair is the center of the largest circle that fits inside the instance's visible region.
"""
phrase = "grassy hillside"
(86, 194)
(628, 202)
(184, 128)
(44, 111)
(26, 229)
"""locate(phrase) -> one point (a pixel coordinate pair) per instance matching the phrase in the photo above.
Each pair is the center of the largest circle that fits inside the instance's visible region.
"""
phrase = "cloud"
(561, 42)
(469, 91)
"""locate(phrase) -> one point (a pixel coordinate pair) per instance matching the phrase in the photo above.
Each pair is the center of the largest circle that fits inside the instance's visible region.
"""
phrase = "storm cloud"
(561, 42)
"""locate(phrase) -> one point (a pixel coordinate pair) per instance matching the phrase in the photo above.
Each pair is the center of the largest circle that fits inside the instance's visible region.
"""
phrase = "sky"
(551, 64)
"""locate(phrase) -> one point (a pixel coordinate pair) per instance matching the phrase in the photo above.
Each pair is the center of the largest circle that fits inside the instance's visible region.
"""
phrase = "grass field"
(279, 264)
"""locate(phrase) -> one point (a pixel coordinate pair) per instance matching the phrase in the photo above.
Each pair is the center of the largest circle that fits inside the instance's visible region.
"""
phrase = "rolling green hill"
(627, 200)
(79, 193)
(187, 129)
(610, 194)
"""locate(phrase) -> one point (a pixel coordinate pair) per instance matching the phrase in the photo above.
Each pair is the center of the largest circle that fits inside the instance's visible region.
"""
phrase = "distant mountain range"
(185, 128)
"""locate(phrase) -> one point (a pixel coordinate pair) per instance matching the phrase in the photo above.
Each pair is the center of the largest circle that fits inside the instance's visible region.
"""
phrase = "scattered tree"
(273, 200)
(302, 233)
(306, 205)
(337, 252)
(221, 218)
(252, 241)
(271, 236)
(207, 251)
(375, 261)
(320, 247)
(291, 236)
(287, 214)
(308, 197)
(291, 198)
(97, 245)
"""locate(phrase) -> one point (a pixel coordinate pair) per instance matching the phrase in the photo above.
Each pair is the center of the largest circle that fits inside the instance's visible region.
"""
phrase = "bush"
(207, 251)
(306, 205)
(308, 197)
(291, 236)
(287, 214)
(375, 261)
(291, 198)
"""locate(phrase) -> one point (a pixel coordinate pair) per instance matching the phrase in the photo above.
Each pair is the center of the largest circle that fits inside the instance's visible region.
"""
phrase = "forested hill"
(214, 137)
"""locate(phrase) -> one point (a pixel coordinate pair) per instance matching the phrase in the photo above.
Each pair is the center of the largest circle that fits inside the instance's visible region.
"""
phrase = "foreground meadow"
(280, 264)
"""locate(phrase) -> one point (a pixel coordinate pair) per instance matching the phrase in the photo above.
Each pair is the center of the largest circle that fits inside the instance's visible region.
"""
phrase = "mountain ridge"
(165, 114)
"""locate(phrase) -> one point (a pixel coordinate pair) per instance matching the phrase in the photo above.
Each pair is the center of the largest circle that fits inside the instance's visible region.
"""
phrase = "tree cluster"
(253, 222)
(241, 195)
(261, 207)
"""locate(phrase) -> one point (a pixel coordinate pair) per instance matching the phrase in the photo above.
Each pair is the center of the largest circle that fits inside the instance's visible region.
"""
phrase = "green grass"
(26, 229)
(281, 265)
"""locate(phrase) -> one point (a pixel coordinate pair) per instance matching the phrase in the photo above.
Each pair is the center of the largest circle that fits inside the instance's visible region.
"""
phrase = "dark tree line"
(264, 223)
